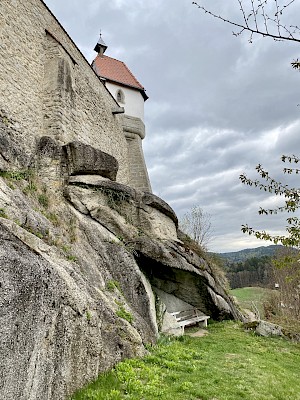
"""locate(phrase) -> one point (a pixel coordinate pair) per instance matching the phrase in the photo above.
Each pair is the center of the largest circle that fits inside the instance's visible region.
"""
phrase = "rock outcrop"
(84, 159)
(90, 271)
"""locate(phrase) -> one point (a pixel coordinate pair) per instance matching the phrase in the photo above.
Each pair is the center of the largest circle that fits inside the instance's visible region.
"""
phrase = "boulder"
(265, 328)
(83, 159)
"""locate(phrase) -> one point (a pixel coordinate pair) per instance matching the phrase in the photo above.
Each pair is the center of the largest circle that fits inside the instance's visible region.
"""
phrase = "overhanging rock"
(148, 227)
(83, 159)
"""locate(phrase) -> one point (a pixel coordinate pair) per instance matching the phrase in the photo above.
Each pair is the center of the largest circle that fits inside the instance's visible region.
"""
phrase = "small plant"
(3, 213)
(52, 217)
(141, 232)
(130, 247)
(191, 245)
(112, 285)
(43, 200)
(128, 218)
(88, 315)
(71, 257)
(67, 252)
(114, 197)
(65, 248)
(122, 313)
(34, 232)
(14, 175)
(11, 185)
(38, 234)
(5, 121)
(28, 189)
(72, 230)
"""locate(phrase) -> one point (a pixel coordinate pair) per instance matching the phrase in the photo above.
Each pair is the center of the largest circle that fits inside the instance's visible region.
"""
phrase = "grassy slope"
(249, 295)
(228, 364)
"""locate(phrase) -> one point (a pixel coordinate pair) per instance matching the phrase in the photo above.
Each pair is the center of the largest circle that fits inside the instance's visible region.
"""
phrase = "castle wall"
(48, 88)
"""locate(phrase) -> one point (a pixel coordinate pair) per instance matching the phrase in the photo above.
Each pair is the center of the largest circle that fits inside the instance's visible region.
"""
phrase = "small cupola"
(100, 46)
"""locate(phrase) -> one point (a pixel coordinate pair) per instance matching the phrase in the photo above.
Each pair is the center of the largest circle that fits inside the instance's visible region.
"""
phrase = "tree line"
(255, 271)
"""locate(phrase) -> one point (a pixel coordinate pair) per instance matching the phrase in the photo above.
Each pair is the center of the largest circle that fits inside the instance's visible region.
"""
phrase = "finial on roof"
(100, 46)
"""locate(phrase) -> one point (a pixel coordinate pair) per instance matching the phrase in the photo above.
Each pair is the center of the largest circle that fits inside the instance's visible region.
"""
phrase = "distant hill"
(242, 255)
(249, 267)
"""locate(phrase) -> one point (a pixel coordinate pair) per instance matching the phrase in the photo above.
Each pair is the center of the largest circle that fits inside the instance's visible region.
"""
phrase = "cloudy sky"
(218, 105)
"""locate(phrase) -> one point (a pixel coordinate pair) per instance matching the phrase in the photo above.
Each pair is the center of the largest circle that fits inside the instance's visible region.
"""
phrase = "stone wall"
(50, 89)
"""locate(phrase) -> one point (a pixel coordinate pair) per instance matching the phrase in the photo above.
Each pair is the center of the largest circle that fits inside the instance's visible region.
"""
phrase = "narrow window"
(120, 96)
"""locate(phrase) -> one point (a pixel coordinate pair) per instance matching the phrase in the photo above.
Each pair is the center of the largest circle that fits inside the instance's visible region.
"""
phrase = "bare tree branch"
(277, 17)
(283, 32)
(285, 6)
(254, 13)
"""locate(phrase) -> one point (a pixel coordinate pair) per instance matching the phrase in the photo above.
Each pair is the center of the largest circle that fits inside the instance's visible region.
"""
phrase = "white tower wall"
(134, 102)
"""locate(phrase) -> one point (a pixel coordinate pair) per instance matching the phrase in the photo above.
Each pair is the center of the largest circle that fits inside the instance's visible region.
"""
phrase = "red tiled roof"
(116, 71)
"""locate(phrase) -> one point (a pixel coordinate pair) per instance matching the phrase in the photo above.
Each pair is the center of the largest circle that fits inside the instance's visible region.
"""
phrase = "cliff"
(90, 268)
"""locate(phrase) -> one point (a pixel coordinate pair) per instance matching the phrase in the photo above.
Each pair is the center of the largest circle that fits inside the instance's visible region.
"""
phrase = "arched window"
(120, 96)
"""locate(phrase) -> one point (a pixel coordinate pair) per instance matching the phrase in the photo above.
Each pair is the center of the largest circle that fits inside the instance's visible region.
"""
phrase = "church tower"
(130, 95)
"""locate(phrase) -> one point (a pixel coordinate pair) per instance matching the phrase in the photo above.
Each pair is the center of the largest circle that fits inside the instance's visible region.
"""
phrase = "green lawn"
(227, 364)
(248, 296)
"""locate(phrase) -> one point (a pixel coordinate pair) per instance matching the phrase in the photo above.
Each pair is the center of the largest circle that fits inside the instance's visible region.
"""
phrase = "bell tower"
(100, 46)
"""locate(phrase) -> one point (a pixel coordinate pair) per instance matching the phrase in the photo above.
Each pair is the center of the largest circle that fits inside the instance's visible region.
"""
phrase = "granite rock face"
(63, 322)
(11, 150)
(90, 271)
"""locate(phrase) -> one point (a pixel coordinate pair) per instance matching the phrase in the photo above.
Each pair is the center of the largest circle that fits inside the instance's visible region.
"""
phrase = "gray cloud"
(218, 105)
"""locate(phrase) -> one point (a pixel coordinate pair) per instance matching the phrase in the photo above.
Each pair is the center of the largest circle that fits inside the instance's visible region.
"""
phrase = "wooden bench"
(190, 317)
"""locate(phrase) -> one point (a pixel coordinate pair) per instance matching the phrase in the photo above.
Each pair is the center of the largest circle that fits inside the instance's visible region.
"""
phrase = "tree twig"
(256, 29)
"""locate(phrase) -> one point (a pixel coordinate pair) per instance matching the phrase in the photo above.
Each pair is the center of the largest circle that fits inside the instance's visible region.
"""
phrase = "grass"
(227, 364)
(122, 313)
(43, 200)
(15, 175)
(111, 285)
(248, 296)
(71, 257)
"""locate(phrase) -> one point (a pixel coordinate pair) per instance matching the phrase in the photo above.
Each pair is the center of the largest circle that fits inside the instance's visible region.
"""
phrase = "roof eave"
(140, 89)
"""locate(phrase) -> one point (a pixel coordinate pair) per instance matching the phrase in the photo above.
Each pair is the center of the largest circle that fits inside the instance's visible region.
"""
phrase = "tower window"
(120, 96)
